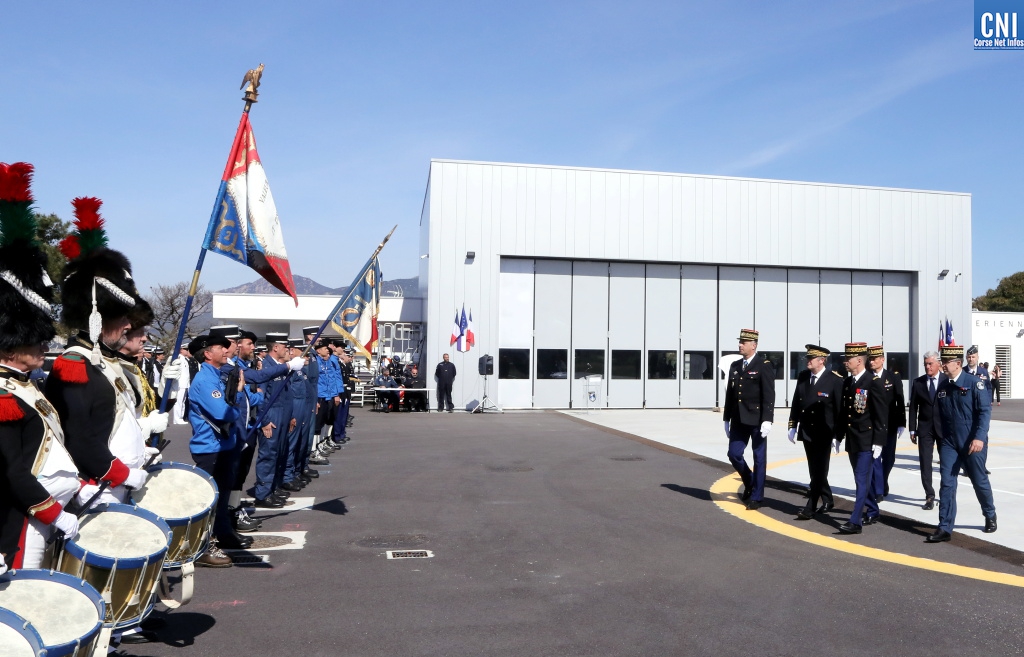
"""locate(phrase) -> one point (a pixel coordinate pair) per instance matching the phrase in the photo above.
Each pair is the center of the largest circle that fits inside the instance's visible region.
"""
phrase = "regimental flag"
(470, 333)
(456, 329)
(356, 320)
(244, 225)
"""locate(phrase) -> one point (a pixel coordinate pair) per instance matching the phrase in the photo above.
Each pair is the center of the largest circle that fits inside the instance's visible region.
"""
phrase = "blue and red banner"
(244, 225)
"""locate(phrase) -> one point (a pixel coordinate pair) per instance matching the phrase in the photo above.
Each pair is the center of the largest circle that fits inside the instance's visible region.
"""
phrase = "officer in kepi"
(965, 408)
(863, 426)
(749, 413)
(814, 420)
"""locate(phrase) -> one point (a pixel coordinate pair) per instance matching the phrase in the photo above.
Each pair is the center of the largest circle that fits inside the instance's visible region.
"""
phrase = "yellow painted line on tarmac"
(724, 492)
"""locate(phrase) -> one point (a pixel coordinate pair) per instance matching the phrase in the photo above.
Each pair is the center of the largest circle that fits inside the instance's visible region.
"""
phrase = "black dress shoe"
(929, 504)
(870, 520)
(990, 525)
(826, 507)
(233, 542)
(269, 503)
(310, 472)
(938, 537)
(281, 492)
(747, 492)
(305, 479)
(849, 528)
(753, 505)
(291, 487)
(806, 513)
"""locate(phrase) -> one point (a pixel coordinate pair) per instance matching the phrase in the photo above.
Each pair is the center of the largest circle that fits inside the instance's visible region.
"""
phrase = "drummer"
(212, 414)
(87, 384)
(39, 476)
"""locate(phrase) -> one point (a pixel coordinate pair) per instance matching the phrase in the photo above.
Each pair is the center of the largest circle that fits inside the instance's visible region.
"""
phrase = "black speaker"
(486, 365)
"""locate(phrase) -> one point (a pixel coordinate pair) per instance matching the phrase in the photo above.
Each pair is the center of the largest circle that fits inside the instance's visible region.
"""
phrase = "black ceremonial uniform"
(862, 425)
(895, 418)
(750, 401)
(817, 411)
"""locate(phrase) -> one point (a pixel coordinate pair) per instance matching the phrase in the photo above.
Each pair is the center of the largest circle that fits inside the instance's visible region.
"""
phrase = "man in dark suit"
(863, 426)
(925, 426)
(814, 420)
(749, 413)
(445, 375)
(896, 421)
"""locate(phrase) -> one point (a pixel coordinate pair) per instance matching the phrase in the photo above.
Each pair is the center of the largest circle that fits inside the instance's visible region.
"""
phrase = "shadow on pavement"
(334, 507)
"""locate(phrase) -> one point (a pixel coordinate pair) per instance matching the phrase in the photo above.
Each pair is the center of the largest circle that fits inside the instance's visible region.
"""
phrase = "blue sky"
(137, 102)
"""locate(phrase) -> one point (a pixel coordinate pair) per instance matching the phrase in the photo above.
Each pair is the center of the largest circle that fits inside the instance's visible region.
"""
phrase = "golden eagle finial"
(251, 83)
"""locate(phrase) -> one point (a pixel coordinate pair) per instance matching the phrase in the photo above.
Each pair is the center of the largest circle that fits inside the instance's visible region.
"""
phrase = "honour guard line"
(82, 446)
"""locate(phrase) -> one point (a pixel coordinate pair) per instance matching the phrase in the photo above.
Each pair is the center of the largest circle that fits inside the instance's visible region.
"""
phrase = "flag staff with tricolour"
(244, 225)
(354, 317)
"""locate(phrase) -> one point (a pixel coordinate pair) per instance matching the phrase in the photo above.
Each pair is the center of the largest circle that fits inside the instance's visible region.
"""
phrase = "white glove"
(86, 493)
(67, 523)
(876, 451)
(296, 363)
(136, 478)
(727, 430)
(835, 445)
(3, 564)
(792, 436)
(155, 454)
(172, 370)
(766, 428)
(899, 432)
(155, 422)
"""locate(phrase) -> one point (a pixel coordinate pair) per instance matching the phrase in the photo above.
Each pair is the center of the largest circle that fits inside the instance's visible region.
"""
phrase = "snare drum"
(184, 497)
(120, 550)
(17, 637)
(65, 611)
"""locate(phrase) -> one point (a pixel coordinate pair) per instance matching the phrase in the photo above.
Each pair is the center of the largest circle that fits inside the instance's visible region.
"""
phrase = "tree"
(50, 230)
(168, 302)
(1007, 297)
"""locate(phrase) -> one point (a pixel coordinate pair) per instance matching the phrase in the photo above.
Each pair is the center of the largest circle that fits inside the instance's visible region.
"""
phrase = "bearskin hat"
(26, 316)
(91, 262)
(141, 315)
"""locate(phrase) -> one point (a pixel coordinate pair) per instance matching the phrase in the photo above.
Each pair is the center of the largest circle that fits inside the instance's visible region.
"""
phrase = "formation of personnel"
(866, 409)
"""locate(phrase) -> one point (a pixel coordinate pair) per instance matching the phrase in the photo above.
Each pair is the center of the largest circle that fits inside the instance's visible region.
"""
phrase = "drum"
(184, 497)
(18, 638)
(65, 611)
(120, 550)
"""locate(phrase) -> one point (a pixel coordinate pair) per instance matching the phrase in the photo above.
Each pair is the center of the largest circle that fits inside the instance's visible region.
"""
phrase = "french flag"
(470, 333)
(456, 329)
(244, 225)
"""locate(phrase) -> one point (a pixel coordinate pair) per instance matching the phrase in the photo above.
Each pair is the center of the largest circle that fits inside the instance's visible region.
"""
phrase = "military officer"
(974, 369)
(273, 429)
(896, 419)
(965, 408)
(814, 420)
(289, 476)
(862, 425)
(749, 413)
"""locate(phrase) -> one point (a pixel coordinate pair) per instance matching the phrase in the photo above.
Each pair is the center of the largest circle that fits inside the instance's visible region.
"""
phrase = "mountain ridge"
(309, 287)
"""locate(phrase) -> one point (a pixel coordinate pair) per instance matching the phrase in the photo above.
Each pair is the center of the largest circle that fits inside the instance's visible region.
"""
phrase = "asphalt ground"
(1011, 410)
(552, 536)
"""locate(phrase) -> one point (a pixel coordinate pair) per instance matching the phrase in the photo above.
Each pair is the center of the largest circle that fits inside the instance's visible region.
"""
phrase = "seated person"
(415, 401)
(385, 380)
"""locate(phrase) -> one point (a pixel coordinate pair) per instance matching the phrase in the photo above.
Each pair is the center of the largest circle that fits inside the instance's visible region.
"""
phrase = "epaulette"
(70, 368)
(9, 409)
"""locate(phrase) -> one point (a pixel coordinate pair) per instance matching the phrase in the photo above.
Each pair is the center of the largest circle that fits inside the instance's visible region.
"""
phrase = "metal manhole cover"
(263, 542)
(392, 541)
(509, 468)
(409, 554)
(628, 458)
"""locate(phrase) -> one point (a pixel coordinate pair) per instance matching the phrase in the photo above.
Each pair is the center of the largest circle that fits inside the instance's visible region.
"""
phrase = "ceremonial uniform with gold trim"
(749, 402)
(816, 412)
(862, 426)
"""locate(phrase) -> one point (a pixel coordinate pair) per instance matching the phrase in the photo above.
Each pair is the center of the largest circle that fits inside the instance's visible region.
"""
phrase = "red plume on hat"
(90, 234)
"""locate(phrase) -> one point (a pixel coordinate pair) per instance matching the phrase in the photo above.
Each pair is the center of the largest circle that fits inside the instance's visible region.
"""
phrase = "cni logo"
(995, 25)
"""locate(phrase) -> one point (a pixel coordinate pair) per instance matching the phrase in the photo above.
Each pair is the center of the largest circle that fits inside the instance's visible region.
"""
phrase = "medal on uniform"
(860, 400)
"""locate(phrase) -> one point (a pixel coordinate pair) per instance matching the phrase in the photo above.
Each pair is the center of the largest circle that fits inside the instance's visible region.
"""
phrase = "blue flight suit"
(297, 396)
(982, 373)
(965, 408)
(312, 371)
(213, 437)
(254, 399)
(270, 449)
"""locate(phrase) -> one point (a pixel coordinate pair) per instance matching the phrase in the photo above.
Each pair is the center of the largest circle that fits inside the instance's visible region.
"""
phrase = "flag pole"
(251, 84)
(305, 352)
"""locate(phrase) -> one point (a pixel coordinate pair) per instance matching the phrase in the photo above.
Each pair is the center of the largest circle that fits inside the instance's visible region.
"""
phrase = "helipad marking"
(724, 493)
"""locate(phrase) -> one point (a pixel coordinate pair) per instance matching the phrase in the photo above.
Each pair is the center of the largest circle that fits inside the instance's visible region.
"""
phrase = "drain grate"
(409, 554)
(250, 559)
(509, 468)
(392, 541)
(628, 458)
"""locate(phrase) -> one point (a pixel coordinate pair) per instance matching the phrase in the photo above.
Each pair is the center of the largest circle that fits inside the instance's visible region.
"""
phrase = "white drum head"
(13, 644)
(120, 535)
(175, 493)
(57, 611)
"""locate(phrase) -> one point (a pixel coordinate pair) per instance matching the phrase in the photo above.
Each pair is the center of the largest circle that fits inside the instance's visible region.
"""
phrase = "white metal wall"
(534, 211)
(662, 321)
(627, 309)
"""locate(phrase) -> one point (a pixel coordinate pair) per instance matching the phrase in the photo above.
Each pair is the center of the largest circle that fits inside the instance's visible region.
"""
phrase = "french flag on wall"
(462, 331)
(244, 225)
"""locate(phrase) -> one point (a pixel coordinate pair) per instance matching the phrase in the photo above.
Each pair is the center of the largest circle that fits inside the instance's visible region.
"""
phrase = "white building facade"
(1000, 339)
(645, 279)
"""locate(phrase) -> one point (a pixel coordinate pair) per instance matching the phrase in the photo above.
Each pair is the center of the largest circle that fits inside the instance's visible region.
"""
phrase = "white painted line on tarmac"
(298, 541)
